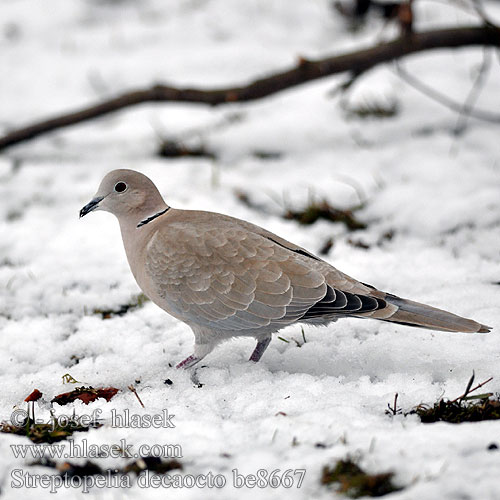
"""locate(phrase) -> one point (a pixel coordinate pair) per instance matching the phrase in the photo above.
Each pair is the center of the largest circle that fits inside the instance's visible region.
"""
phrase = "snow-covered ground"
(439, 194)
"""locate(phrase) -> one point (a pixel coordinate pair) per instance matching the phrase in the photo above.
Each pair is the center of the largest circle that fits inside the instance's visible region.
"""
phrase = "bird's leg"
(189, 362)
(260, 348)
(200, 351)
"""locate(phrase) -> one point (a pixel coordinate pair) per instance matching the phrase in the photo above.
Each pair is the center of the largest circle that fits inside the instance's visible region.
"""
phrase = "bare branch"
(306, 70)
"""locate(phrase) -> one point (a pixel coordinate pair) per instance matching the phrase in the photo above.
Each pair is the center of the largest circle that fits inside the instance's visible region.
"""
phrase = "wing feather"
(221, 275)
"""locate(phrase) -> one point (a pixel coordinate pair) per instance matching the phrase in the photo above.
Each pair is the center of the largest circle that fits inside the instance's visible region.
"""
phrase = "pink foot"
(189, 362)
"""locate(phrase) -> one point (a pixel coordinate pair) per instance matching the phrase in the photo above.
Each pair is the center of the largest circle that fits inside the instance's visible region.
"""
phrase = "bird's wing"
(227, 277)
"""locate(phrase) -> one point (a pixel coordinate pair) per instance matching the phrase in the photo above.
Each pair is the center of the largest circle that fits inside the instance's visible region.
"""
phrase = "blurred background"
(344, 162)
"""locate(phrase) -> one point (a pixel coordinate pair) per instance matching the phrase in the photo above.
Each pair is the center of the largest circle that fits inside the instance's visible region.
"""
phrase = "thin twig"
(394, 410)
(132, 389)
(344, 86)
(479, 114)
(468, 391)
(479, 9)
(477, 86)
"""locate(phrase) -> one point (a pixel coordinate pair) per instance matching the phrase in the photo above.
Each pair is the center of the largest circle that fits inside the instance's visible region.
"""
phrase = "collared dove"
(225, 277)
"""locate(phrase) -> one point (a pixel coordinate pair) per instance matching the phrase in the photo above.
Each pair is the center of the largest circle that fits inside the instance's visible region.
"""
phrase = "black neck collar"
(149, 219)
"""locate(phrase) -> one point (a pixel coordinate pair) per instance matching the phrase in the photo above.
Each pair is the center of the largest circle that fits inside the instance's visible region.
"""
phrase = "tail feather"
(416, 314)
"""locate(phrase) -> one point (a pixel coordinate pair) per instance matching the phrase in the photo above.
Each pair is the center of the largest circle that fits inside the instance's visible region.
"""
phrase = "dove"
(225, 277)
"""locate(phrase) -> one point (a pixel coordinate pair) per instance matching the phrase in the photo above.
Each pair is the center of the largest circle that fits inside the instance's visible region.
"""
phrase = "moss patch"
(135, 303)
(351, 480)
(46, 432)
(323, 210)
(89, 468)
(456, 412)
(465, 408)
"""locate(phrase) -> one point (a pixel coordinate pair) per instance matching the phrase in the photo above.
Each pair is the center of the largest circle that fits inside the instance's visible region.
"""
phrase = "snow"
(437, 192)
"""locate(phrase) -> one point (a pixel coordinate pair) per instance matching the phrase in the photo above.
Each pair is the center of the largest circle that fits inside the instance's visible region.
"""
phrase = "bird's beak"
(92, 205)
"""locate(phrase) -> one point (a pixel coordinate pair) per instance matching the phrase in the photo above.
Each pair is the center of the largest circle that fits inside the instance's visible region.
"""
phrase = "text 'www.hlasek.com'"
(56, 454)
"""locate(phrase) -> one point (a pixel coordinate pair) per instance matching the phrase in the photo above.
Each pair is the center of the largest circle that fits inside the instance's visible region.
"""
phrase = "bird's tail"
(416, 314)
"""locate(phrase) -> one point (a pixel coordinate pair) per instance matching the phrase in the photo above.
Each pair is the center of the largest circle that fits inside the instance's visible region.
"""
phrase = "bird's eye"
(120, 187)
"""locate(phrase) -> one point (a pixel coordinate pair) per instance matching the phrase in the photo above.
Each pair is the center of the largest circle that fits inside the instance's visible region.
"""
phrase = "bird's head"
(126, 194)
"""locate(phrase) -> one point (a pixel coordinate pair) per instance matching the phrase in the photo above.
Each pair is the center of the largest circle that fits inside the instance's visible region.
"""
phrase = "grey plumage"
(225, 277)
